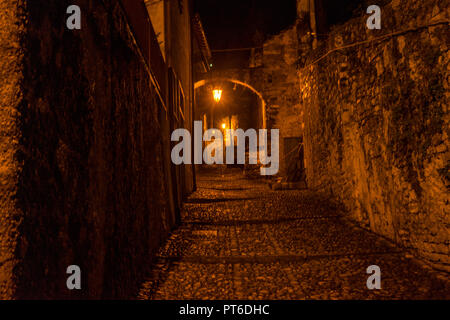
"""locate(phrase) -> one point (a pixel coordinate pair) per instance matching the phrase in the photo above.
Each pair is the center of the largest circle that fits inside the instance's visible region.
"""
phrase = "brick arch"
(201, 83)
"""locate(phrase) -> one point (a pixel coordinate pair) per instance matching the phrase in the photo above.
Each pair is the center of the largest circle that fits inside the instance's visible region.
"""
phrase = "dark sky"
(234, 23)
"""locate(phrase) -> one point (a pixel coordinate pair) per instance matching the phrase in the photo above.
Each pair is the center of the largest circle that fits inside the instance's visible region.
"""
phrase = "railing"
(146, 39)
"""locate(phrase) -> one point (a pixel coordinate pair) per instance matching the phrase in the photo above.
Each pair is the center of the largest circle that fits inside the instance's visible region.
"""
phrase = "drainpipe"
(191, 14)
(313, 21)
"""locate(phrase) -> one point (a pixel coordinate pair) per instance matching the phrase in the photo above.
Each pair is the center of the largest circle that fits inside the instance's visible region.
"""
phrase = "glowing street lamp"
(224, 125)
(217, 94)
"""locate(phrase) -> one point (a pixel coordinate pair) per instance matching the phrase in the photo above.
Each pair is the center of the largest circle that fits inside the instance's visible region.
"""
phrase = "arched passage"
(201, 83)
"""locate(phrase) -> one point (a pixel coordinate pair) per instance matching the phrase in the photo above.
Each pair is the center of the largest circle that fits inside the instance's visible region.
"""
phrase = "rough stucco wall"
(281, 87)
(179, 53)
(90, 186)
(377, 127)
(10, 78)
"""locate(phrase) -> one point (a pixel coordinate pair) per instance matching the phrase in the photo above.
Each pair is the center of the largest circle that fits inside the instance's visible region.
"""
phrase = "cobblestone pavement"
(241, 240)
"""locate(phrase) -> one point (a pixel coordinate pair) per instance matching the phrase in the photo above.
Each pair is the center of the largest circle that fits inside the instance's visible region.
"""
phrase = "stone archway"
(201, 83)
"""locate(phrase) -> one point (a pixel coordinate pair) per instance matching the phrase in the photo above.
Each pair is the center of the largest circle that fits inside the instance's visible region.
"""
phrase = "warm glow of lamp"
(217, 94)
(224, 125)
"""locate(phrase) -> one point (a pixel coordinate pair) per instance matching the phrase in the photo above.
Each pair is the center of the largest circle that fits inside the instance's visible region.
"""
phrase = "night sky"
(237, 23)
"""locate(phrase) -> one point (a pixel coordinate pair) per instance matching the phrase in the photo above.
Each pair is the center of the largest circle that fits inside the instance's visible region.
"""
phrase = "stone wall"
(377, 125)
(11, 70)
(82, 177)
(281, 88)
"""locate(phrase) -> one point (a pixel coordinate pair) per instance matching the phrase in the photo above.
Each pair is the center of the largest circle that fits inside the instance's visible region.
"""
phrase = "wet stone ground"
(241, 240)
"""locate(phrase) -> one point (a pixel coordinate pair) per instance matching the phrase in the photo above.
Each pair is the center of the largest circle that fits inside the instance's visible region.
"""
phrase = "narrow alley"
(224, 150)
(241, 240)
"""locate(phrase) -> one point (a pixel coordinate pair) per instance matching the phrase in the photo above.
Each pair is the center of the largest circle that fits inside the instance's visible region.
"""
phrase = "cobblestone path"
(241, 240)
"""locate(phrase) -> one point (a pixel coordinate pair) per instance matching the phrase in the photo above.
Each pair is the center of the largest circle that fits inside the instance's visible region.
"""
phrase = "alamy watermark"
(374, 21)
(374, 281)
(214, 147)
(74, 20)
(74, 280)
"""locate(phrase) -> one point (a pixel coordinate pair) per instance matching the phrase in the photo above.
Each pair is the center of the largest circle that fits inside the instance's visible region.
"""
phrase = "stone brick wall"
(82, 178)
(377, 125)
(281, 87)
